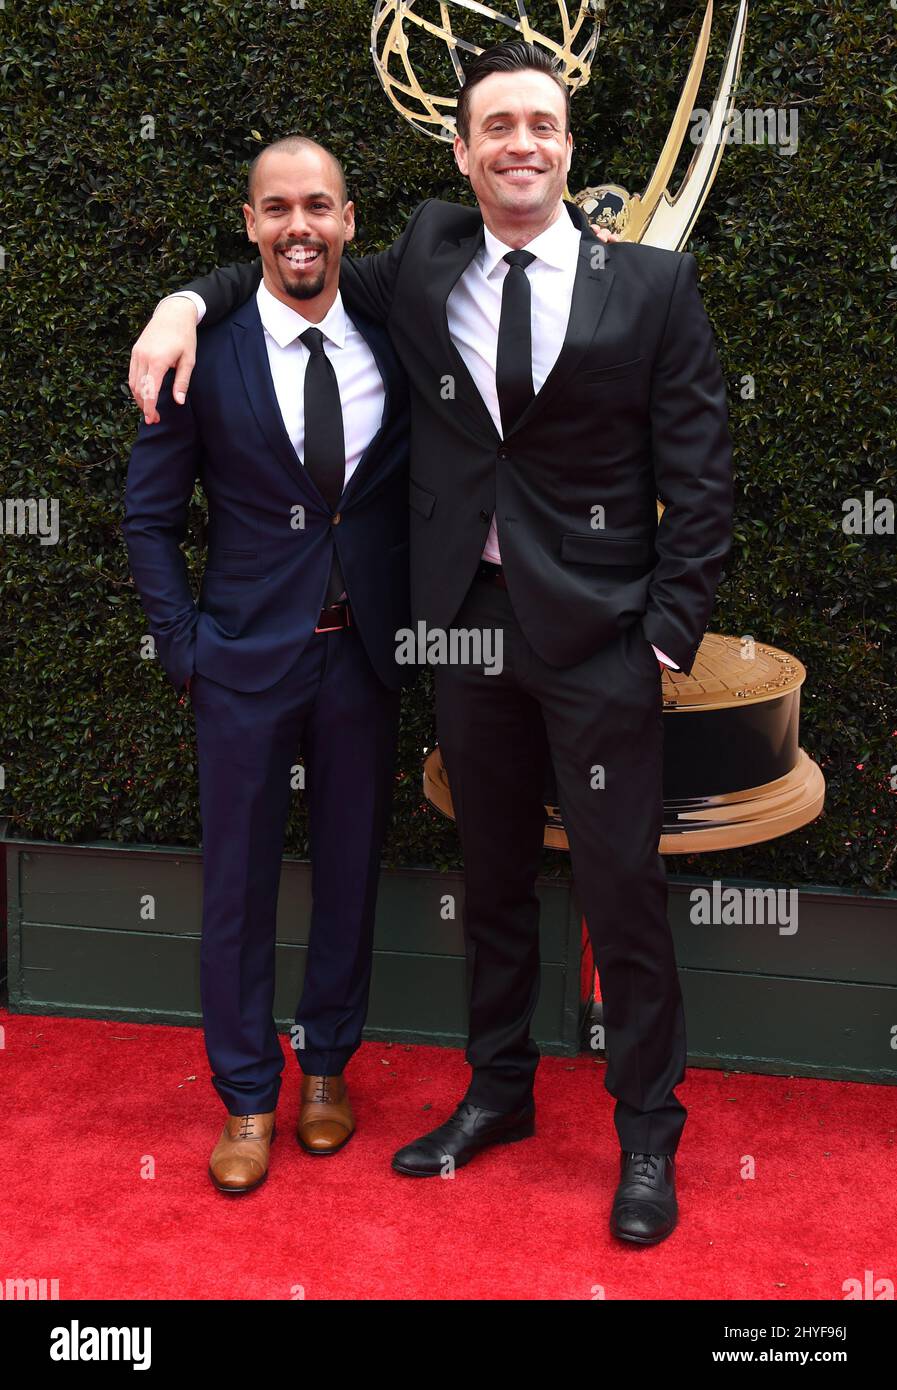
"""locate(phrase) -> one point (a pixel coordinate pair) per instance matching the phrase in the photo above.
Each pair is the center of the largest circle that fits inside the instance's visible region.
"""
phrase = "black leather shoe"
(464, 1134)
(644, 1209)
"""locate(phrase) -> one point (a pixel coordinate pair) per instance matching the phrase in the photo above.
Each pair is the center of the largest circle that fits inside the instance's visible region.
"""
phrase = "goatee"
(307, 290)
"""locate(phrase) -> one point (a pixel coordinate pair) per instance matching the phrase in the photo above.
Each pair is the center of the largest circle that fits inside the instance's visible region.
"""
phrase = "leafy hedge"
(796, 256)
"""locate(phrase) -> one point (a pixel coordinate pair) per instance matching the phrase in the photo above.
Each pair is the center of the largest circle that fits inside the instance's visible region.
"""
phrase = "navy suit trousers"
(333, 709)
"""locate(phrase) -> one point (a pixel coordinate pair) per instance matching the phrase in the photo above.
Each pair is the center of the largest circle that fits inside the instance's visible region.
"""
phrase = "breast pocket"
(611, 373)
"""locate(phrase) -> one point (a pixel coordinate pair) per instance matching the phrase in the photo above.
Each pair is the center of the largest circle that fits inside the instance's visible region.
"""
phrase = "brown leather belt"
(335, 617)
(493, 574)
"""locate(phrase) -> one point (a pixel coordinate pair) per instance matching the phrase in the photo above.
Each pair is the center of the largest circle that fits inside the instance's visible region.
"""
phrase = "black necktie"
(324, 450)
(514, 357)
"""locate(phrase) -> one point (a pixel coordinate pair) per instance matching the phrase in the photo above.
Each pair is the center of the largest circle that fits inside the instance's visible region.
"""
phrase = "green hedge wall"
(797, 257)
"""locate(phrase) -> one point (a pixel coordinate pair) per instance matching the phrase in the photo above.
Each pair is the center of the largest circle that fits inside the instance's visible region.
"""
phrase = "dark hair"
(514, 56)
(292, 144)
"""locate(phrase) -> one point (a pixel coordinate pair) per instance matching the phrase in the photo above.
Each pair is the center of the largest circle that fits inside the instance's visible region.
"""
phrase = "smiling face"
(300, 223)
(518, 153)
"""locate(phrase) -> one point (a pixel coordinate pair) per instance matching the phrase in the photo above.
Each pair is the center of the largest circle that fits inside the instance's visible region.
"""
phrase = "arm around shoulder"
(226, 288)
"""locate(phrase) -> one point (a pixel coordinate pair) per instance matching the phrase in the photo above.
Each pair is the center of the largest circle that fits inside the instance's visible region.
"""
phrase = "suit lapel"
(591, 288)
(446, 268)
(252, 357)
(377, 341)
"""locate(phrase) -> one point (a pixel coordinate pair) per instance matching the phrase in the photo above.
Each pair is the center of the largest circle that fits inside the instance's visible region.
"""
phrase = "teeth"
(519, 173)
(299, 257)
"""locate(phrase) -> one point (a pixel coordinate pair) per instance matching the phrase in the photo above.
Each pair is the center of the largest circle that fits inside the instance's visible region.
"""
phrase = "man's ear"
(349, 222)
(249, 217)
(569, 150)
(460, 151)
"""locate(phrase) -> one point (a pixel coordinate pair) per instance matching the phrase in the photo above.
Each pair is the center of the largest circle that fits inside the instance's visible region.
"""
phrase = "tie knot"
(521, 258)
(313, 339)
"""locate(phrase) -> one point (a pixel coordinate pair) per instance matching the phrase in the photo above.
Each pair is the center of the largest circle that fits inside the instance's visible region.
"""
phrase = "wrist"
(179, 304)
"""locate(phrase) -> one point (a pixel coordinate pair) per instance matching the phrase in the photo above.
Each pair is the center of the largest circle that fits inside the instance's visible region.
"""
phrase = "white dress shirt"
(473, 310)
(361, 390)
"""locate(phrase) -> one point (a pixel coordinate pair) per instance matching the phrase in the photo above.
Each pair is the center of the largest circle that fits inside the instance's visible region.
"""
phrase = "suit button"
(484, 516)
(336, 519)
(504, 454)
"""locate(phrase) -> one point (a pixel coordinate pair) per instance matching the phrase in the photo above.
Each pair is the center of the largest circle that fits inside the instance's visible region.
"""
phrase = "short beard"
(309, 289)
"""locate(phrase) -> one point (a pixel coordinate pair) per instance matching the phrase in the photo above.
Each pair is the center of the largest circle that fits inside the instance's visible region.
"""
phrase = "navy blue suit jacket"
(270, 533)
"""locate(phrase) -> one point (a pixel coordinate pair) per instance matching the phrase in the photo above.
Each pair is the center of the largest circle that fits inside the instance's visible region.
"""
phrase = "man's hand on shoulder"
(168, 340)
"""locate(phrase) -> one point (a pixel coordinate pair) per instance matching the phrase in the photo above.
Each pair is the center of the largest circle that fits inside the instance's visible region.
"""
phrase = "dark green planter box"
(822, 1002)
(78, 945)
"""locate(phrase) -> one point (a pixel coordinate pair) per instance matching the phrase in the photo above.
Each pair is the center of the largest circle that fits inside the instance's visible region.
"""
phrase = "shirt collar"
(554, 246)
(285, 324)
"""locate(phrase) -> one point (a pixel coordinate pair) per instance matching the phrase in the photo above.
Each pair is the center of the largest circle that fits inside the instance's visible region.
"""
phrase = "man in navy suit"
(297, 429)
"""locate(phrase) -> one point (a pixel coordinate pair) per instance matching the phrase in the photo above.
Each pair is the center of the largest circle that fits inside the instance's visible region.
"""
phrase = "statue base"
(734, 772)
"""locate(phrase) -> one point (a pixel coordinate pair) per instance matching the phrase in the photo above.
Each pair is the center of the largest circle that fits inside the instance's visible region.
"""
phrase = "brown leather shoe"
(326, 1121)
(239, 1161)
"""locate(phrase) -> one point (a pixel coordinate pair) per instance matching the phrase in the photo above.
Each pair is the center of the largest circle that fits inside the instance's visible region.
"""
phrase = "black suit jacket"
(634, 409)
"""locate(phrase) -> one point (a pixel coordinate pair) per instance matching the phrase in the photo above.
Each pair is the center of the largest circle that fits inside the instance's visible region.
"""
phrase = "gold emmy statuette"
(734, 771)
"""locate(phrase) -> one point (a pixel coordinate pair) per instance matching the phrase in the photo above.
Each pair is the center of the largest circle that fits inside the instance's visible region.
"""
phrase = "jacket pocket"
(607, 550)
(232, 574)
(239, 564)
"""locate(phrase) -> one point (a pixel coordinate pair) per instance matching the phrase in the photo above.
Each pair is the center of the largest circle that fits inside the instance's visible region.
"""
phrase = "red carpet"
(89, 1105)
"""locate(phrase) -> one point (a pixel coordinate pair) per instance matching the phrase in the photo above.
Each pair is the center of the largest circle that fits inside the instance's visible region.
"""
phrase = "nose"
(521, 140)
(298, 224)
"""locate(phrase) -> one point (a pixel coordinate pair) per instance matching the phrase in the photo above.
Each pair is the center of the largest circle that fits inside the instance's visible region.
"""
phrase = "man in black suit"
(558, 386)
(297, 426)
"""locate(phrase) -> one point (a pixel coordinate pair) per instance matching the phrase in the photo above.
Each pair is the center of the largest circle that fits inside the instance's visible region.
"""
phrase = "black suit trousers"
(600, 723)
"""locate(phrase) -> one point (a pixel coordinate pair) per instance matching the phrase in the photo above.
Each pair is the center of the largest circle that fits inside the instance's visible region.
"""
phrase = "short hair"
(514, 56)
(292, 144)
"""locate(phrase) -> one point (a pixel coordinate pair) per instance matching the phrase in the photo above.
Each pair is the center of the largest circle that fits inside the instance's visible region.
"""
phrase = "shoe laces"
(645, 1166)
(246, 1128)
(458, 1116)
(322, 1093)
